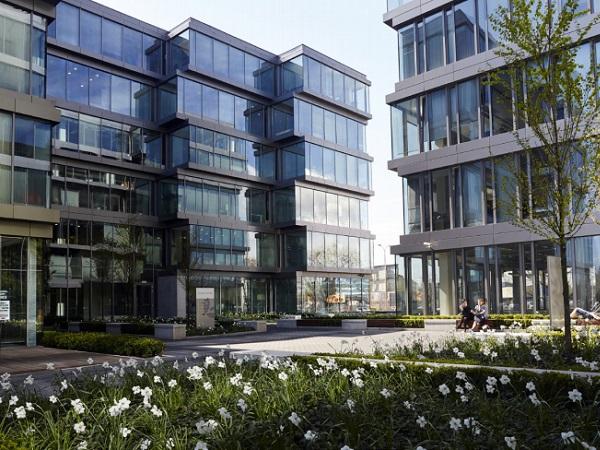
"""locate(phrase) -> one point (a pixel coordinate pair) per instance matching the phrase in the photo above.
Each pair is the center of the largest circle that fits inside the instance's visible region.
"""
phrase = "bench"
(584, 322)
(490, 323)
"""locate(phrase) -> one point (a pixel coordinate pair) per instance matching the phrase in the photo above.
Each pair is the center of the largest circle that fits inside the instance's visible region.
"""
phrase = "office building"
(137, 164)
(452, 147)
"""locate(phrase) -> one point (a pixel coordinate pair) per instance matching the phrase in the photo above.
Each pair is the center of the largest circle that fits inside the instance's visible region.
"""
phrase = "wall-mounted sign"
(4, 310)
(205, 307)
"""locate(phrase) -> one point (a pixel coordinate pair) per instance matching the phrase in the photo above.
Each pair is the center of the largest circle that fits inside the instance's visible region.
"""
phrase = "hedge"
(103, 343)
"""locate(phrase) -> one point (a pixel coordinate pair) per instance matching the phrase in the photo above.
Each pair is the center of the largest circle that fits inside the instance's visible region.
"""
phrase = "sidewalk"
(19, 359)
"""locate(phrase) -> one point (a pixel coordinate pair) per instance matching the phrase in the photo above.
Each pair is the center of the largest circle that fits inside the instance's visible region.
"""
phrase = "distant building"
(383, 289)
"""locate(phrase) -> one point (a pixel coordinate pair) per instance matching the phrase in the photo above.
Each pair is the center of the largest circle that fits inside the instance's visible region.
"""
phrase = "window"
(440, 193)
(5, 134)
(99, 89)
(341, 171)
(77, 83)
(434, 35)
(111, 39)
(464, 22)
(407, 51)
(436, 117)
(220, 59)
(472, 193)
(210, 103)
(132, 47)
(501, 101)
(405, 128)
(120, 95)
(467, 110)
(412, 204)
(5, 183)
(32, 139)
(90, 31)
(67, 24)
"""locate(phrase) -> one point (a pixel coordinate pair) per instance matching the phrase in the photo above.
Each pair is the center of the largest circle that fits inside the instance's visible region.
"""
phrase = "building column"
(30, 338)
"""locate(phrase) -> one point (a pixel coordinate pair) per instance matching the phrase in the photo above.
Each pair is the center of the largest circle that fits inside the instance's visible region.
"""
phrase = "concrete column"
(446, 284)
(557, 307)
(31, 292)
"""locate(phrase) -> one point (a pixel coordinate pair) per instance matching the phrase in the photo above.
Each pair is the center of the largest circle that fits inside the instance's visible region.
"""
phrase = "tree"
(556, 95)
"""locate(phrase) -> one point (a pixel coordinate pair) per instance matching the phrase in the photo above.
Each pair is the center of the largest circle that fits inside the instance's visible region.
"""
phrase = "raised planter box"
(74, 327)
(257, 325)
(114, 328)
(440, 324)
(287, 323)
(381, 323)
(169, 331)
(354, 324)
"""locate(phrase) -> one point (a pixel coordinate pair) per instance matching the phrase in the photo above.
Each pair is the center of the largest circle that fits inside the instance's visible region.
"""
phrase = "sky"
(350, 31)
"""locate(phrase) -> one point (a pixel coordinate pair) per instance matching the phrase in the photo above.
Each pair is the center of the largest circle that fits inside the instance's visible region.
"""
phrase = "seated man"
(480, 314)
(466, 316)
(580, 313)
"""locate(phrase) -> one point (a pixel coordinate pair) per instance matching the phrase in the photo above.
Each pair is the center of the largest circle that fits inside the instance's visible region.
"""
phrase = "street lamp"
(384, 247)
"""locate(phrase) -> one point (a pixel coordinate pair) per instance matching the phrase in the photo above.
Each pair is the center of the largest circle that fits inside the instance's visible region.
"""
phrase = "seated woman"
(480, 314)
(466, 316)
(593, 314)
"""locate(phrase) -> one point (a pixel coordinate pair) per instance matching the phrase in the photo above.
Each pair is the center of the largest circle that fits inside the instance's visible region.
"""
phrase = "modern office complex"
(452, 145)
(137, 164)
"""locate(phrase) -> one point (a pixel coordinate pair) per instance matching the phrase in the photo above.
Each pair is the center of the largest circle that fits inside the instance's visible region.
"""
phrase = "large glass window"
(440, 192)
(90, 31)
(464, 22)
(472, 194)
(434, 37)
(67, 23)
(112, 39)
(407, 51)
(405, 128)
(467, 110)
(436, 117)
(412, 204)
(510, 278)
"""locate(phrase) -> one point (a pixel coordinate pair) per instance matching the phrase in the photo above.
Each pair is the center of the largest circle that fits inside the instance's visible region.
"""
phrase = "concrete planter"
(74, 327)
(169, 331)
(114, 328)
(287, 323)
(257, 325)
(354, 324)
(440, 324)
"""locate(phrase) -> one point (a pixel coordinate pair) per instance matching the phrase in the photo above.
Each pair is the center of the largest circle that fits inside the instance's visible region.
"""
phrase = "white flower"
(139, 374)
(461, 376)
(241, 403)
(207, 386)
(408, 405)
(125, 432)
(90, 361)
(50, 366)
(105, 364)
(295, 419)
(236, 379)
(464, 398)
(28, 380)
(345, 447)
(511, 442)
(79, 427)
(504, 379)
(575, 395)
(459, 390)
(385, 393)
(157, 379)
(20, 412)
(460, 354)
(492, 381)
(455, 424)
(13, 400)
(145, 444)
(468, 386)
(225, 415)
(209, 361)
(221, 365)
(156, 411)
(490, 389)
(53, 399)
(206, 427)
(530, 386)
(172, 383)
(455, 350)
(283, 376)
(194, 373)
(586, 445)
(358, 382)
(534, 400)
(568, 437)
(248, 389)
(350, 404)
(77, 406)
(444, 390)
(83, 445)
(170, 443)
(201, 445)
(429, 370)
(119, 406)
(421, 421)
(420, 448)
(310, 435)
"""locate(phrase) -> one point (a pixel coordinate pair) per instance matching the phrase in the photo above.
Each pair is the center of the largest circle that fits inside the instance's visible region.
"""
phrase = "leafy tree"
(556, 95)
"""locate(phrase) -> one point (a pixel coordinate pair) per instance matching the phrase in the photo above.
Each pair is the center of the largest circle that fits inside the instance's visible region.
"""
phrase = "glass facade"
(164, 163)
(330, 295)
(309, 74)
(22, 51)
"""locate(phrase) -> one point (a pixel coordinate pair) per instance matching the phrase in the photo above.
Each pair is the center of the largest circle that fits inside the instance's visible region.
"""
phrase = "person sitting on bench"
(480, 314)
(466, 316)
(593, 314)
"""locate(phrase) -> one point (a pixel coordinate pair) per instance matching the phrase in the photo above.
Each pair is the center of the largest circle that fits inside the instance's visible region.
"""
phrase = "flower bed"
(103, 343)
(305, 403)
(222, 326)
(538, 350)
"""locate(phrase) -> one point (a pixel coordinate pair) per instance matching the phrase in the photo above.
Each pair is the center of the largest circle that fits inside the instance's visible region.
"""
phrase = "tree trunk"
(568, 350)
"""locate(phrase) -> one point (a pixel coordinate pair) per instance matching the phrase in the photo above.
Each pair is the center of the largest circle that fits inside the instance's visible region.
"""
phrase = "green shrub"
(103, 343)
(8, 444)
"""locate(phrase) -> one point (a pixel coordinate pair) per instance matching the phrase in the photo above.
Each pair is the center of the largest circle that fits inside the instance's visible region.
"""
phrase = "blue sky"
(350, 31)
